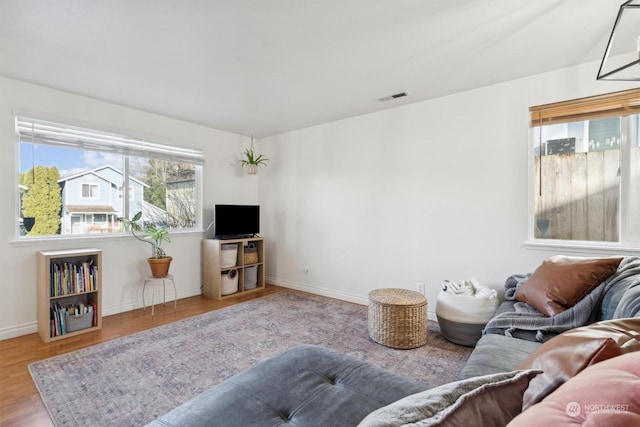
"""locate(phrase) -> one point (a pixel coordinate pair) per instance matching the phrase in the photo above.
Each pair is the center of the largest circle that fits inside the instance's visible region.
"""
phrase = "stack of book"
(72, 317)
(68, 278)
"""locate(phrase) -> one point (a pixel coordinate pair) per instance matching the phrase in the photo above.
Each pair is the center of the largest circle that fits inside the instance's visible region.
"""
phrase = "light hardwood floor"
(20, 403)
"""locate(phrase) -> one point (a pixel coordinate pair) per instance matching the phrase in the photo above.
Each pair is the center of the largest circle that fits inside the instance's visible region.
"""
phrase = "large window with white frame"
(74, 180)
(586, 171)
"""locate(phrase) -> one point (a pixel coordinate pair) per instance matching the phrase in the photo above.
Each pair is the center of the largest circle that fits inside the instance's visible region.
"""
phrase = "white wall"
(430, 191)
(124, 259)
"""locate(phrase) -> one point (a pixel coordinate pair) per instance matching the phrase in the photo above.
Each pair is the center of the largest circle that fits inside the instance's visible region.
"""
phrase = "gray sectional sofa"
(314, 386)
(498, 350)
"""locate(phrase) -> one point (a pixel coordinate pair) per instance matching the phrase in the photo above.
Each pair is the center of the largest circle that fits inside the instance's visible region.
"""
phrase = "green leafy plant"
(250, 158)
(154, 235)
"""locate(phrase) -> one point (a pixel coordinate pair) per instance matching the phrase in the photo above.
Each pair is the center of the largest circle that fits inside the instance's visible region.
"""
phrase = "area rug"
(132, 380)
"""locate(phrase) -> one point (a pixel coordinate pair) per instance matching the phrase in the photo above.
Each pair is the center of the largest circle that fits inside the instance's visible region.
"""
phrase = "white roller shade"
(46, 132)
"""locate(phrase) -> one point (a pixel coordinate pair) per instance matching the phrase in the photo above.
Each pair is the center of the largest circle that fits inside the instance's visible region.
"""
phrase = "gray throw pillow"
(489, 400)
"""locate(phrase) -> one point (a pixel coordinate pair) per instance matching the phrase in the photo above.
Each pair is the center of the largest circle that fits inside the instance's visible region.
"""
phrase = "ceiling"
(270, 66)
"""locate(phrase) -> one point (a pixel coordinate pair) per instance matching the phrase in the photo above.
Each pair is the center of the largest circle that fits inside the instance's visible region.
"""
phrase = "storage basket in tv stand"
(212, 269)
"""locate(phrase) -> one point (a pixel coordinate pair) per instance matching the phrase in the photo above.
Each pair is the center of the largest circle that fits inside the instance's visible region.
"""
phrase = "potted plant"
(252, 160)
(159, 261)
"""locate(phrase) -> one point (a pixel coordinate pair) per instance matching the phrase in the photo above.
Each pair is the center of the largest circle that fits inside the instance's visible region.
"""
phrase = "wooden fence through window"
(577, 196)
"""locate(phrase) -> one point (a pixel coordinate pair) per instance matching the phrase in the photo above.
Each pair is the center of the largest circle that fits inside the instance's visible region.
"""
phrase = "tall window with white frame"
(586, 170)
(72, 180)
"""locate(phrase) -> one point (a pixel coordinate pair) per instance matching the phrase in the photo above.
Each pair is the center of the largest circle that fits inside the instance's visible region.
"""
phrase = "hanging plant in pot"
(159, 261)
(252, 160)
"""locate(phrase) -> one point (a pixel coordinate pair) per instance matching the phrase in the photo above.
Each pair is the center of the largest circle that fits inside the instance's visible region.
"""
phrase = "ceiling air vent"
(395, 96)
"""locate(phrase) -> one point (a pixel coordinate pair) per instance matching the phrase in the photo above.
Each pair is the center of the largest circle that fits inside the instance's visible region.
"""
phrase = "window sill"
(582, 247)
(89, 238)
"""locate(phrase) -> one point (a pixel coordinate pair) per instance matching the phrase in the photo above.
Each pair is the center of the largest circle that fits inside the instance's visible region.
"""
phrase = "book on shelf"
(95, 313)
(60, 315)
(72, 278)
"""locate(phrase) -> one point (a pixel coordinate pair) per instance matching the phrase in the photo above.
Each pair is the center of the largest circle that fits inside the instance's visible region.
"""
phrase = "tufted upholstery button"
(285, 416)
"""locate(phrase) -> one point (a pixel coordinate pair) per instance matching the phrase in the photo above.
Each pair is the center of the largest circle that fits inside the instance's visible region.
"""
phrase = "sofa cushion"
(621, 300)
(629, 304)
(561, 281)
(570, 352)
(496, 353)
(605, 394)
(306, 386)
(497, 397)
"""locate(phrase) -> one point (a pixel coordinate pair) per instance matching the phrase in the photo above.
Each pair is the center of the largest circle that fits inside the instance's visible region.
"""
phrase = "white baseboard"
(134, 305)
(32, 327)
(18, 330)
(331, 293)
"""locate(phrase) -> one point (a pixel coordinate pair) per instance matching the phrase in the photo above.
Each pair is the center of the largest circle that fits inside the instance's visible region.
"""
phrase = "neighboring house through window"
(97, 208)
(72, 180)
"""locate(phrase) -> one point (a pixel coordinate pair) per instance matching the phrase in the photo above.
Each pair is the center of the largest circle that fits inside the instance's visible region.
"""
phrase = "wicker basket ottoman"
(398, 318)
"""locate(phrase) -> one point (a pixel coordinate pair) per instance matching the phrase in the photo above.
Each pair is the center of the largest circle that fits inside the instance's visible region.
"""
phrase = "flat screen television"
(236, 221)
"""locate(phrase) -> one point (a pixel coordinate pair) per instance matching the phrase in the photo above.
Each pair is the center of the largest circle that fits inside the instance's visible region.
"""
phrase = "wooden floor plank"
(20, 403)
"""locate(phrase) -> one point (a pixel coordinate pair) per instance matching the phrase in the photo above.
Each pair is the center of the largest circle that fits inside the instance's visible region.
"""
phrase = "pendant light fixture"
(621, 59)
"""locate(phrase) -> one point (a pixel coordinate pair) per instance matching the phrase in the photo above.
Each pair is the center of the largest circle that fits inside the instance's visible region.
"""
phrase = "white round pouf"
(462, 318)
